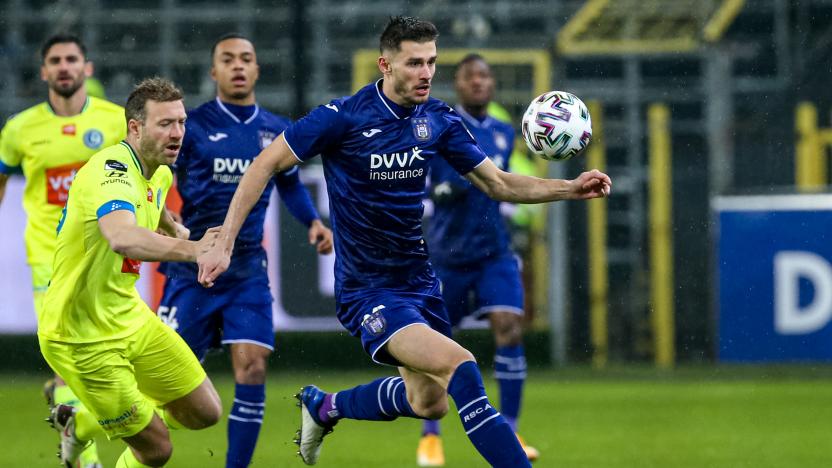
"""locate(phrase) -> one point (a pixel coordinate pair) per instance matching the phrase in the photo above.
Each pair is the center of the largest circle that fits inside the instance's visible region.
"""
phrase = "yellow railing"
(661, 236)
(596, 158)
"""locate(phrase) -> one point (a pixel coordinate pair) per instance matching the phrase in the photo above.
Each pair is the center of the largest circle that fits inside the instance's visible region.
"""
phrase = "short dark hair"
(62, 38)
(150, 89)
(472, 57)
(225, 37)
(406, 28)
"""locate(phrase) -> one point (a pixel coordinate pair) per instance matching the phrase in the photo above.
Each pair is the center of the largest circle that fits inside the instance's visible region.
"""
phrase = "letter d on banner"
(789, 317)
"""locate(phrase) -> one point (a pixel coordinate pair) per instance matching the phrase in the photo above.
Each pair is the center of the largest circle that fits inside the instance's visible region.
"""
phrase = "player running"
(376, 147)
(50, 142)
(222, 137)
(469, 244)
(121, 361)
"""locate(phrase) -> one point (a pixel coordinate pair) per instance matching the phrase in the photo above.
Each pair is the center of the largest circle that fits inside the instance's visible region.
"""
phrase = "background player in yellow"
(49, 143)
(120, 359)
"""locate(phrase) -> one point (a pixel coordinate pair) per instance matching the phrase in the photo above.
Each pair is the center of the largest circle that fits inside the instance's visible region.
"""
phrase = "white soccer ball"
(557, 126)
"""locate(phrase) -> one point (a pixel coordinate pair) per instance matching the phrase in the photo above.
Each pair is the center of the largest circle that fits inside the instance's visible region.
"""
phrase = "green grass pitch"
(626, 417)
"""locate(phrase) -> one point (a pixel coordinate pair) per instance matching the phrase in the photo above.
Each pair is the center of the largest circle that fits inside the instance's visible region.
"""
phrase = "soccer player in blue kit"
(376, 147)
(469, 247)
(223, 136)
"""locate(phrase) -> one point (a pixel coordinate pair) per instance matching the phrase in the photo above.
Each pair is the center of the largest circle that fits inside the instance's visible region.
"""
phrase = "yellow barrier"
(596, 158)
(811, 164)
(661, 236)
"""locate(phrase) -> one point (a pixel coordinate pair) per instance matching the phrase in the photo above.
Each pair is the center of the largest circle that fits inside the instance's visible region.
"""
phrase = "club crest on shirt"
(93, 138)
(374, 322)
(266, 138)
(501, 141)
(421, 128)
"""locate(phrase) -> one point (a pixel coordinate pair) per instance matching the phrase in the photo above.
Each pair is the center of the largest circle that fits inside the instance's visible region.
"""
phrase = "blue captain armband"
(114, 205)
(9, 170)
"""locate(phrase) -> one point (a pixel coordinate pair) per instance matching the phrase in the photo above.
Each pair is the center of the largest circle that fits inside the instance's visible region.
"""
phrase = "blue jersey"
(220, 142)
(376, 156)
(467, 226)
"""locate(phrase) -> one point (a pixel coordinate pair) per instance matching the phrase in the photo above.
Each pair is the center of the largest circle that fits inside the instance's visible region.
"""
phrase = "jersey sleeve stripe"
(114, 205)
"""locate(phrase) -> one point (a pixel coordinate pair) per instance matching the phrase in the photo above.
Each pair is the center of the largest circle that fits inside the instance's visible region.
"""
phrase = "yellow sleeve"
(108, 188)
(10, 156)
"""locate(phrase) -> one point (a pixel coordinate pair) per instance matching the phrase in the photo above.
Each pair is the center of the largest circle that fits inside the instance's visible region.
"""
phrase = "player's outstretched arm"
(276, 157)
(130, 240)
(517, 188)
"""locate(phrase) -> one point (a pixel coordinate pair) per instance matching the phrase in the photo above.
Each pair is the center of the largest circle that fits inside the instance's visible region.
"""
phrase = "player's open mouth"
(173, 147)
(239, 80)
(423, 89)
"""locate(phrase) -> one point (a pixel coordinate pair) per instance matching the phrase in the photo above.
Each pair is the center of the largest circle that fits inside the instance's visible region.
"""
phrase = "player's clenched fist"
(591, 184)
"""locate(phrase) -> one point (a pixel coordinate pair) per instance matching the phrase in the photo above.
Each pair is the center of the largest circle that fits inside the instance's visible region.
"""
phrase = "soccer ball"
(557, 126)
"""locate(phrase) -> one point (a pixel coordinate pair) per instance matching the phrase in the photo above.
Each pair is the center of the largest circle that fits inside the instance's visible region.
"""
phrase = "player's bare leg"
(510, 368)
(197, 410)
(249, 362)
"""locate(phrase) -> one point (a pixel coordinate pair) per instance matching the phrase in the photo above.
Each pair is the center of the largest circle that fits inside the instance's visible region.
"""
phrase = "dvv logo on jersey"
(230, 170)
(397, 165)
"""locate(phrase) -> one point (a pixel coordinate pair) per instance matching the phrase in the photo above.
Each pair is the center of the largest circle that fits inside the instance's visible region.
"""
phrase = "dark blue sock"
(431, 426)
(487, 429)
(510, 372)
(244, 423)
(380, 400)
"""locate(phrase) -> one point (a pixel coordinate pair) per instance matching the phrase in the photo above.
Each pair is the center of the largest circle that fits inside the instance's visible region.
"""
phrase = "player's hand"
(590, 184)
(212, 258)
(321, 237)
(171, 226)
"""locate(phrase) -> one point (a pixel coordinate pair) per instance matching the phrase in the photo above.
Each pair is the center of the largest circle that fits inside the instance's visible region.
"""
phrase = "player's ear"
(384, 65)
(213, 72)
(89, 68)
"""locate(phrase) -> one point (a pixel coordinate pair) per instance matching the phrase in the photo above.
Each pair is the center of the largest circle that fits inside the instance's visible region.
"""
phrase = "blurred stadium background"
(685, 321)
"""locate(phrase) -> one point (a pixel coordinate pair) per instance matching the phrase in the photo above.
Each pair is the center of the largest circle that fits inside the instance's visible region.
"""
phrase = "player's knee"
(508, 329)
(211, 414)
(437, 410)
(252, 372)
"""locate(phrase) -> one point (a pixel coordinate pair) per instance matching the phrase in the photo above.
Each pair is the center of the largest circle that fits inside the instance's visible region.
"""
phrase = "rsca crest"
(421, 128)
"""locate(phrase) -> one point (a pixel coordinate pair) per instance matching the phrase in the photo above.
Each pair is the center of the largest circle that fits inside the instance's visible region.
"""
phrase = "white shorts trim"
(264, 345)
(373, 357)
(482, 311)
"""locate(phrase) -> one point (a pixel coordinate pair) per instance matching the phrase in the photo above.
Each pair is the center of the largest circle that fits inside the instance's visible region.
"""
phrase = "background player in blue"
(376, 146)
(469, 247)
(222, 138)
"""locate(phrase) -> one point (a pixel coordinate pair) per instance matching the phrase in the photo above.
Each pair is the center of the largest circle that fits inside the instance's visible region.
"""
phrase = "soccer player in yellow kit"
(50, 142)
(135, 375)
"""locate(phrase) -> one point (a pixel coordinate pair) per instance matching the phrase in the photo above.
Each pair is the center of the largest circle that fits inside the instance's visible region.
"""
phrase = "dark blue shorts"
(480, 289)
(379, 314)
(240, 312)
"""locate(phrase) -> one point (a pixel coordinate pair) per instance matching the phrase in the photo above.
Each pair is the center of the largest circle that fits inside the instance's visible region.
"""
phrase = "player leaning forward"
(135, 375)
(376, 146)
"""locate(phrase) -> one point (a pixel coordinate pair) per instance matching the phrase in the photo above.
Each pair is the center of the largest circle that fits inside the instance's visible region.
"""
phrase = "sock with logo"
(510, 372)
(244, 423)
(380, 400)
(430, 426)
(487, 429)
(128, 460)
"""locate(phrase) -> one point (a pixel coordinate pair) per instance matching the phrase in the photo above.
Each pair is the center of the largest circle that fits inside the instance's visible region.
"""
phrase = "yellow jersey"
(92, 296)
(50, 149)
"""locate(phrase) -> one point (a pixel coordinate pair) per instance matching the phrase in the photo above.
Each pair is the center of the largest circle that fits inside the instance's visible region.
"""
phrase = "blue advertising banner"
(774, 275)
